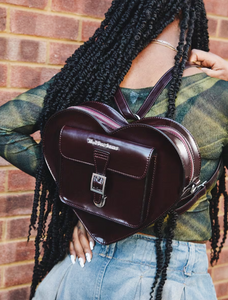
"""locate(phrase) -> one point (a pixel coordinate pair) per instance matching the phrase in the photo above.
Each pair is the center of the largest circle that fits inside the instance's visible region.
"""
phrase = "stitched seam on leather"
(197, 147)
(113, 111)
(110, 169)
(95, 196)
(117, 104)
(187, 147)
(101, 156)
(61, 164)
(152, 185)
(126, 104)
(66, 201)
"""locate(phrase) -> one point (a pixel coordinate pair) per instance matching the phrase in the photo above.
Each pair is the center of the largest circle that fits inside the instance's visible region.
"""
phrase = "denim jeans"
(125, 271)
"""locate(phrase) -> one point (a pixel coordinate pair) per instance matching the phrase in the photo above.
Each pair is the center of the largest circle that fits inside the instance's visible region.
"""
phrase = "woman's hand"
(212, 64)
(81, 245)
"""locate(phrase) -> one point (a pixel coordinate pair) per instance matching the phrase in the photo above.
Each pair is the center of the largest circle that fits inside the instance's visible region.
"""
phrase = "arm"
(210, 63)
(18, 119)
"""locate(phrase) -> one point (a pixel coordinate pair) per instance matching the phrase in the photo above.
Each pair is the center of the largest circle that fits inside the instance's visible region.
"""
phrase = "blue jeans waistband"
(141, 249)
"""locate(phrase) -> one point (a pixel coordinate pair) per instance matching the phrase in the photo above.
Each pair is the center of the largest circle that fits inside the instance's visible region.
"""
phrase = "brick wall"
(36, 37)
(217, 12)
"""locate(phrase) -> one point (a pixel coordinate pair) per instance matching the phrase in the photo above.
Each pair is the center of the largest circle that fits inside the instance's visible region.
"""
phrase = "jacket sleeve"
(18, 120)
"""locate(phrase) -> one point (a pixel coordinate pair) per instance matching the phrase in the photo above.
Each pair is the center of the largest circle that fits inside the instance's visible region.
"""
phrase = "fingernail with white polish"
(72, 257)
(91, 245)
(81, 262)
(88, 257)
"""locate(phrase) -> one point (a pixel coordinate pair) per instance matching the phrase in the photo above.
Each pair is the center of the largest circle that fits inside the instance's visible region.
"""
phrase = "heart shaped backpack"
(120, 177)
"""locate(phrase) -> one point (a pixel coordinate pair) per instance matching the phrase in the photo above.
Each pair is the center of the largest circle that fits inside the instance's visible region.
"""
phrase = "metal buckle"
(101, 180)
(102, 203)
(197, 187)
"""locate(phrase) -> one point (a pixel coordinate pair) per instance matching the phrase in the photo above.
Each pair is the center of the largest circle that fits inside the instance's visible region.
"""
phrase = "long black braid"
(217, 192)
(94, 72)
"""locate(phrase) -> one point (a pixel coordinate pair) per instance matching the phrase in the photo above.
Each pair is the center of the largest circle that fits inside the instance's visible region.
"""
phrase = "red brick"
(30, 77)
(2, 19)
(17, 228)
(37, 24)
(16, 251)
(226, 242)
(22, 50)
(223, 32)
(212, 26)
(223, 257)
(96, 8)
(221, 289)
(19, 274)
(88, 29)
(4, 162)
(20, 181)
(1, 232)
(210, 271)
(15, 294)
(3, 75)
(1, 279)
(3, 177)
(5, 96)
(219, 48)
(59, 52)
(29, 3)
(220, 273)
(217, 7)
(20, 204)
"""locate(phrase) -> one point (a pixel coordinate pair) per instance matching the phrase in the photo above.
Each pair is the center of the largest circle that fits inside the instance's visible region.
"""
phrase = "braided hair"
(94, 72)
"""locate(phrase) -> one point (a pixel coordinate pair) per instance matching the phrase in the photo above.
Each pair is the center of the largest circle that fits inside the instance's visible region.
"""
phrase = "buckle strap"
(152, 97)
(98, 180)
(155, 93)
(123, 105)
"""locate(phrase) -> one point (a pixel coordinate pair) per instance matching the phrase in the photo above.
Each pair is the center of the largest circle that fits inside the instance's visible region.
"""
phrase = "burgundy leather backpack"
(120, 177)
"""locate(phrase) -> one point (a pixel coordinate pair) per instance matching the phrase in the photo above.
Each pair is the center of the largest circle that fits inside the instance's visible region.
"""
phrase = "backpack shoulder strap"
(152, 97)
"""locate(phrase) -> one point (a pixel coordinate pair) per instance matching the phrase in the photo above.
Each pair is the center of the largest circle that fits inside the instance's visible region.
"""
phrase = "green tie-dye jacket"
(201, 106)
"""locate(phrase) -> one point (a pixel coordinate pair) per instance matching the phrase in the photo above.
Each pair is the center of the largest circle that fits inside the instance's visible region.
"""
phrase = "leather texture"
(150, 166)
(118, 177)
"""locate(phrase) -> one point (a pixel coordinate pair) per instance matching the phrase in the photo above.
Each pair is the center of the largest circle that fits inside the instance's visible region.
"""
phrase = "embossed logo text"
(104, 145)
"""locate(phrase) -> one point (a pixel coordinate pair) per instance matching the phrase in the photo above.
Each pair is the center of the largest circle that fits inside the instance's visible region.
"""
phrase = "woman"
(138, 41)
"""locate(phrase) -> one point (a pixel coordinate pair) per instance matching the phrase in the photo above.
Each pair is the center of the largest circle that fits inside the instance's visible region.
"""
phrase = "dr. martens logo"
(101, 144)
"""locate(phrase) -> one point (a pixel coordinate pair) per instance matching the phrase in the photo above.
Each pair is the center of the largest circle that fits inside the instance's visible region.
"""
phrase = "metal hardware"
(201, 185)
(197, 187)
(102, 203)
(137, 116)
(100, 180)
(193, 188)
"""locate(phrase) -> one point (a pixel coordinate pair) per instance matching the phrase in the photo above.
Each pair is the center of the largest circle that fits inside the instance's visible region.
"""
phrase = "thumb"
(203, 58)
(193, 56)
